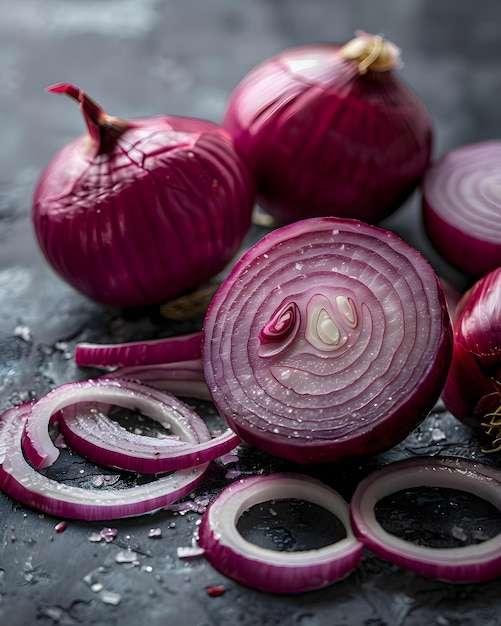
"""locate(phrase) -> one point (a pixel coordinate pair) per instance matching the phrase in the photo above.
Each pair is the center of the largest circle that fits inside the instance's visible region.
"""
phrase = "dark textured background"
(145, 57)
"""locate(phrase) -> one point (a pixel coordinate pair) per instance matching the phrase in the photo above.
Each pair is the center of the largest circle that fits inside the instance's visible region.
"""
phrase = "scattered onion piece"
(148, 352)
(270, 570)
(20, 481)
(100, 439)
(186, 378)
(462, 206)
(472, 563)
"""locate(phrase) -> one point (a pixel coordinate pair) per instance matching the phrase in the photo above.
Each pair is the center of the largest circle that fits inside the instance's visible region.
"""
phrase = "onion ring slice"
(471, 563)
(99, 438)
(20, 481)
(41, 450)
(269, 570)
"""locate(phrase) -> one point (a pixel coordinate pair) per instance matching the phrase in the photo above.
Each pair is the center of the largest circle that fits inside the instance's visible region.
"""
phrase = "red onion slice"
(97, 437)
(329, 339)
(270, 570)
(148, 352)
(38, 445)
(185, 378)
(20, 481)
(472, 563)
(462, 206)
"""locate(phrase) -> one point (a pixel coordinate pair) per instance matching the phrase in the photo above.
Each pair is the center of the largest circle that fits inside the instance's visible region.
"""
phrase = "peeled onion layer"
(329, 339)
(462, 206)
(471, 563)
(269, 570)
(20, 481)
(146, 352)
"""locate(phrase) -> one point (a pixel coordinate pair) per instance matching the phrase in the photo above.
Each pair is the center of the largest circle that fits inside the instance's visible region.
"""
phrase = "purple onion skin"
(371, 396)
(323, 139)
(473, 386)
(138, 212)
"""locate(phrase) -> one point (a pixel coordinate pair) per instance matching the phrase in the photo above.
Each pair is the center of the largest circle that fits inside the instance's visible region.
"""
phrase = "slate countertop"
(154, 56)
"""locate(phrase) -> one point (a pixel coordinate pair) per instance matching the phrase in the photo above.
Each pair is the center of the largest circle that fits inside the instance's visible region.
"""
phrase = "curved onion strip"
(37, 443)
(20, 481)
(100, 439)
(364, 362)
(462, 206)
(148, 352)
(270, 570)
(472, 563)
(185, 378)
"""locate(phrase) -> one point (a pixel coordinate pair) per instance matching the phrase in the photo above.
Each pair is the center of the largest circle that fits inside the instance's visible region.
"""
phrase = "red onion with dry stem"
(138, 212)
(331, 130)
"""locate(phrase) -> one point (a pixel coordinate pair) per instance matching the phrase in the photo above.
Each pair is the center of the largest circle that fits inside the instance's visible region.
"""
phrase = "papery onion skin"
(138, 212)
(268, 570)
(469, 564)
(325, 135)
(461, 206)
(364, 365)
(473, 387)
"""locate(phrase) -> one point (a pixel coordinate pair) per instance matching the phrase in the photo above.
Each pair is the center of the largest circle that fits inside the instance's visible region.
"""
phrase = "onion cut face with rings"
(284, 572)
(329, 339)
(477, 562)
(462, 206)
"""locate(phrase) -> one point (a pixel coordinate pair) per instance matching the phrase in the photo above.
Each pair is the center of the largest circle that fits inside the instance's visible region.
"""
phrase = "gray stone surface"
(153, 56)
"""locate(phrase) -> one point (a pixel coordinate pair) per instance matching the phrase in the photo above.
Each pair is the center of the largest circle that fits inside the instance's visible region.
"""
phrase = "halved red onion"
(471, 563)
(186, 378)
(147, 352)
(167, 409)
(270, 570)
(99, 438)
(20, 481)
(462, 206)
(329, 339)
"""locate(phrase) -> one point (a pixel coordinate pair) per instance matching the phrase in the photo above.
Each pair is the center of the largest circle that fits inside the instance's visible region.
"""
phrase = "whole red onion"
(331, 130)
(137, 212)
(472, 391)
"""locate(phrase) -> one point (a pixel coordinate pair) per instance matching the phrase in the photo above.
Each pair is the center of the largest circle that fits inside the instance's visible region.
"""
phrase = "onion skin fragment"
(269, 570)
(472, 391)
(138, 212)
(469, 564)
(367, 360)
(331, 130)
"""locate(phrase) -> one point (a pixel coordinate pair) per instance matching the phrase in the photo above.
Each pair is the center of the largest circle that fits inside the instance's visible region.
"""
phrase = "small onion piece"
(40, 448)
(462, 206)
(147, 352)
(331, 130)
(185, 378)
(99, 438)
(20, 481)
(472, 391)
(269, 570)
(471, 563)
(138, 212)
(329, 339)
